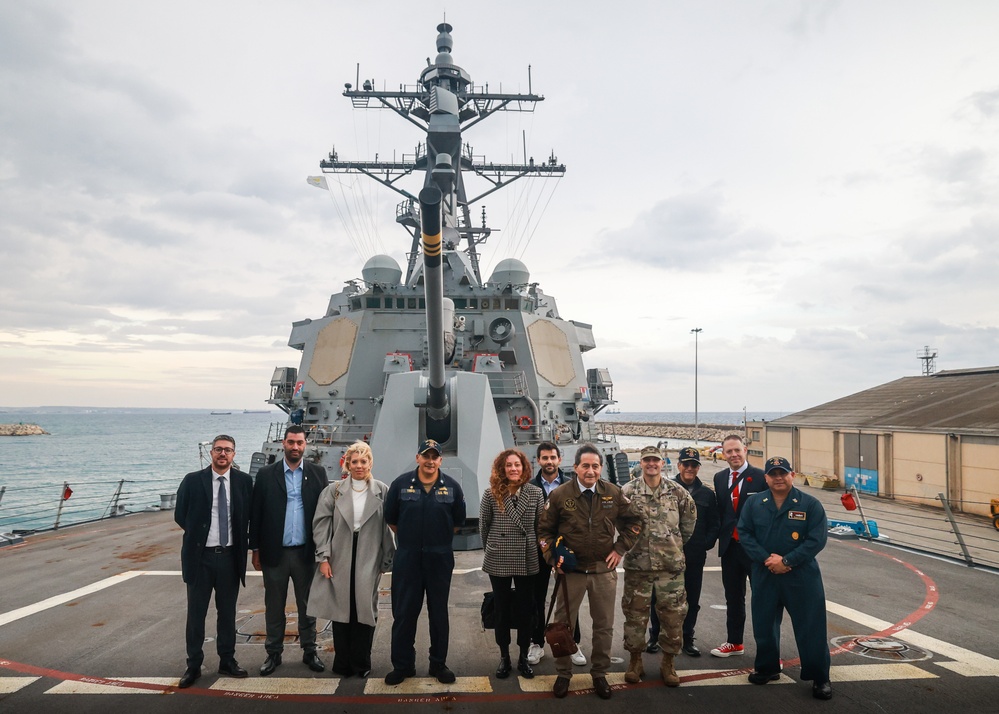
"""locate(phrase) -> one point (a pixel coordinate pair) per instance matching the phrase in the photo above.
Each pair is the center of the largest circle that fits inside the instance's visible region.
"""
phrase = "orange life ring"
(525, 422)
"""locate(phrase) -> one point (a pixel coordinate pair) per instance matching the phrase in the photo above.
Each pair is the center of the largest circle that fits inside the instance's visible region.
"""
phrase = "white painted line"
(13, 615)
(74, 687)
(878, 672)
(417, 686)
(966, 662)
(278, 685)
(9, 685)
(545, 682)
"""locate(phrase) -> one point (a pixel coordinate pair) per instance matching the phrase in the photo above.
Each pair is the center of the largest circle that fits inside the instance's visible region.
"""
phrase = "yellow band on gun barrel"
(432, 245)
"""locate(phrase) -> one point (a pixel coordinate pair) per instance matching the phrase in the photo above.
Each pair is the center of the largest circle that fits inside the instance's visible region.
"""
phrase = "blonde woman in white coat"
(354, 547)
(508, 523)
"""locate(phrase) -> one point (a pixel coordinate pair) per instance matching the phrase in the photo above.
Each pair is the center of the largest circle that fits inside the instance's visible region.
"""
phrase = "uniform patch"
(796, 515)
(794, 535)
(569, 504)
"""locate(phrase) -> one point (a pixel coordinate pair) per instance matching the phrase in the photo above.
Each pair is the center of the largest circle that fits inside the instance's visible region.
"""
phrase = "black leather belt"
(220, 549)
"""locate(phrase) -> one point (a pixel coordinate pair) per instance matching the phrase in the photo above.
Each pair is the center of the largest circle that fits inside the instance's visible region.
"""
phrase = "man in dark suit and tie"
(213, 508)
(285, 495)
(732, 486)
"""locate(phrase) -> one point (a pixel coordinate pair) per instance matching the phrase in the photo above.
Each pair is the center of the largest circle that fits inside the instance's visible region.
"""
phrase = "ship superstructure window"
(460, 303)
(373, 302)
(400, 303)
(512, 304)
(411, 303)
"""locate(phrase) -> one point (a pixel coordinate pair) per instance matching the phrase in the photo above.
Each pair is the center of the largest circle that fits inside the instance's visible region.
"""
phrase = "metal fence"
(937, 529)
(29, 509)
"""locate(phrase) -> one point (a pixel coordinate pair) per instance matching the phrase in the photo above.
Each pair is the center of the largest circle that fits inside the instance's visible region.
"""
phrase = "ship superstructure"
(439, 352)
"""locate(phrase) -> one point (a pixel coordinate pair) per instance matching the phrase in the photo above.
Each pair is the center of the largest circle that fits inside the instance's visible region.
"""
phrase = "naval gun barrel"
(433, 284)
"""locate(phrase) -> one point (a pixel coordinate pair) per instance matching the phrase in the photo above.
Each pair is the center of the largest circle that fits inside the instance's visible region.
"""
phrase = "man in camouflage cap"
(655, 565)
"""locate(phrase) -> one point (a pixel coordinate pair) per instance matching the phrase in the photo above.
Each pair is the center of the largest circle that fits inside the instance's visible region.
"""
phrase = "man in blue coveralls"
(424, 508)
(782, 530)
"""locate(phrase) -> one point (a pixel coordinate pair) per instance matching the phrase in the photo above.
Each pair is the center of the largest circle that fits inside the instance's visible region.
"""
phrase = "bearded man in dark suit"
(285, 496)
(732, 487)
(213, 508)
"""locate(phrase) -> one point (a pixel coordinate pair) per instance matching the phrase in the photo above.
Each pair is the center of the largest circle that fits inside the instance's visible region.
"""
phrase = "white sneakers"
(535, 654)
(578, 658)
(727, 649)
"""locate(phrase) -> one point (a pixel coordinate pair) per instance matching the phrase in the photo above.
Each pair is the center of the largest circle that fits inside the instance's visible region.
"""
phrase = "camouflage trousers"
(671, 607)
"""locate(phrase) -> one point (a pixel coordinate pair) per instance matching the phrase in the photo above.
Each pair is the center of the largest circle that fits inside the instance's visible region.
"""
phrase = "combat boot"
(635, 669)
(669, 675)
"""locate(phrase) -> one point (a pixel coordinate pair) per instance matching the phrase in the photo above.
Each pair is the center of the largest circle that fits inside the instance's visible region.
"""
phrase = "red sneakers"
(727, 649)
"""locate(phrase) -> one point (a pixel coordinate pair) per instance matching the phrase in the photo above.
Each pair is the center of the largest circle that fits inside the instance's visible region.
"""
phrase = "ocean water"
(92, 452)
(151, 450)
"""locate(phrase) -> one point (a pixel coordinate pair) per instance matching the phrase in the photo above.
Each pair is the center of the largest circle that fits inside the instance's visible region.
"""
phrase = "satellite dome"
(512, 271)
(381, 269)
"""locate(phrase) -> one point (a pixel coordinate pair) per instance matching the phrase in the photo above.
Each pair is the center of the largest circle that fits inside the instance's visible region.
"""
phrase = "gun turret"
(438, 408)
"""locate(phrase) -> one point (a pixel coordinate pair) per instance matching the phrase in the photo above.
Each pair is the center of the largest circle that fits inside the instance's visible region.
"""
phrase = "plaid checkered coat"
(510, 536)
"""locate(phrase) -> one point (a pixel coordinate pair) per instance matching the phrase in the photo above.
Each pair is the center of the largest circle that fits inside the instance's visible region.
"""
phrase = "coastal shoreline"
(661, 430)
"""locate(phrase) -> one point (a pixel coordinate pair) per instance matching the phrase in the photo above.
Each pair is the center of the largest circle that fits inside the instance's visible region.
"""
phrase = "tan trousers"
(601, 592)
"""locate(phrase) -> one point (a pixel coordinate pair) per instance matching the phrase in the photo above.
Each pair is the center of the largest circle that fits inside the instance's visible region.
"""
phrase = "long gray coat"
(333, 530)
(510, 536)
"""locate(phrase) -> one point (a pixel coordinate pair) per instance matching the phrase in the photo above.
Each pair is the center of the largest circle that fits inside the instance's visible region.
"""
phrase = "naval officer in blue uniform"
(425, 508)
(782, 530)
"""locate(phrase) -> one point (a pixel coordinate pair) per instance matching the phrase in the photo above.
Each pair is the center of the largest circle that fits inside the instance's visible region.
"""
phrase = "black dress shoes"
(525, 669)
(443, 674)
(601, 687)
(689, 648)
(503, 670)
(311, 659)
(561, 687)
(761, 678)
(189, 677)
(653, 647)
(398, 676)
(822, 690)
(232, 669)
(270, 664)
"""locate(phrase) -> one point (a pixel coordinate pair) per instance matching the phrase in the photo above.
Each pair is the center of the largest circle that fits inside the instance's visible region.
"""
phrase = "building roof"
(965, 401)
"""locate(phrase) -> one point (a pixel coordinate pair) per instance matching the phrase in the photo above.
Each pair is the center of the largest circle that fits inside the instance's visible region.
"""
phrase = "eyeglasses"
(223, 450)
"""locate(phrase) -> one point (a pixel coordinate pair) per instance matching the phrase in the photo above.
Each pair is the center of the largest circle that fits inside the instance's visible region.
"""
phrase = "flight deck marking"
(27, 610)
(82, 686)
(9, 685)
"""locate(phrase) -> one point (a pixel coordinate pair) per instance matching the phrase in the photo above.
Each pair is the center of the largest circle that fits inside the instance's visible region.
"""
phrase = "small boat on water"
(221, 413)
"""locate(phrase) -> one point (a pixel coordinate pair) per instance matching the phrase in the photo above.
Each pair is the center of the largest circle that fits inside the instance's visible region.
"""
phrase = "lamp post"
(697, 424)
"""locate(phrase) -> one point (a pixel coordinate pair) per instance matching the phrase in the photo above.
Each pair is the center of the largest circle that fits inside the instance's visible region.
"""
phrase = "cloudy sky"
(811, 183)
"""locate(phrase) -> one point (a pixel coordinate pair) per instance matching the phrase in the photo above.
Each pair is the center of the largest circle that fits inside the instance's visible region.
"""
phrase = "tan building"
(910, 439)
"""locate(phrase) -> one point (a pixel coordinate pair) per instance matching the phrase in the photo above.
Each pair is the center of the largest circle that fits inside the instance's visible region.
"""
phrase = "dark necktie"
(223, 515)
(588, 495)
(735, 500)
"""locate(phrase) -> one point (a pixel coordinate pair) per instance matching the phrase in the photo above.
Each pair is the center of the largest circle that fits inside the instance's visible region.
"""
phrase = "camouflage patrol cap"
(651, 451)
(688, 453)
(778, 463)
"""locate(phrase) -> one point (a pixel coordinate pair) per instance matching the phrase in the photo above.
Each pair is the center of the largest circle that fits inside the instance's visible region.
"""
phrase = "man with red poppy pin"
(732, 487)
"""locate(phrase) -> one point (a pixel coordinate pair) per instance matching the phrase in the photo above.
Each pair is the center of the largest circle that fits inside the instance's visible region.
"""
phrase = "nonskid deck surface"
(99, 610)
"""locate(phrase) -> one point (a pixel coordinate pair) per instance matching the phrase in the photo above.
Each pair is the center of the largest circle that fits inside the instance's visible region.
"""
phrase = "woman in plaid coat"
(508, 524)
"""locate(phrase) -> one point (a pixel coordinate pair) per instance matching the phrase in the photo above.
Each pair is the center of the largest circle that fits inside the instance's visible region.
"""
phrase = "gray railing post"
(860, 509)
(3, 490)
(62, 500)
(115, 498)
(957, 531)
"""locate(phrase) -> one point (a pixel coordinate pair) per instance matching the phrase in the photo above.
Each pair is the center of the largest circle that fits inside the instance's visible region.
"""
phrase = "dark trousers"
(800, 592)
(736, 569)
(352, 640)
(295, 565)
(514, 608)
(216, 573)
(539, 584)
(415, 574)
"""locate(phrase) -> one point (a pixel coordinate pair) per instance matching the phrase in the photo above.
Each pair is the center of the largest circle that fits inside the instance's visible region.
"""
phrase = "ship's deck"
(93, 614)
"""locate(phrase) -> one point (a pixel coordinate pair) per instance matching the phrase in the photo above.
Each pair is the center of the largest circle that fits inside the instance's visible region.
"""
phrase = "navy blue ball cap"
(429, 445)
(565, 558)
(777, 463)
(689, 453)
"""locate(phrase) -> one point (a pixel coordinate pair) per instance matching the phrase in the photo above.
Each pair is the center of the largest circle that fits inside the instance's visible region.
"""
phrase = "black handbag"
(487, 611)
(558, 635)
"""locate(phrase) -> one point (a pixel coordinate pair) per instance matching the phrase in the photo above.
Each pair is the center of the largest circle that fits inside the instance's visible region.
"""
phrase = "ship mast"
(443, 105)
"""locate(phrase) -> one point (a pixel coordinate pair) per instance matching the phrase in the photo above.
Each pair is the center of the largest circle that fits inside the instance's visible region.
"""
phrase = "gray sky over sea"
(812, 183)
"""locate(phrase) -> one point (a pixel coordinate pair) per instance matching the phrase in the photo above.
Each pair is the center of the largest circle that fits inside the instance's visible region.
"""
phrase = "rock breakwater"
(21, 430)
(659, 430)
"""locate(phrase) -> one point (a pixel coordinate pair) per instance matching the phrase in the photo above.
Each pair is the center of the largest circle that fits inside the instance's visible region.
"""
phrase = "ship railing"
(30, 509)
(324, 433)
(507, 384)
(939, 526)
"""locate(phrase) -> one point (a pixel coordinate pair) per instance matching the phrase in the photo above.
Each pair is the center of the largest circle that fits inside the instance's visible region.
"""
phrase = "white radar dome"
(381, 269)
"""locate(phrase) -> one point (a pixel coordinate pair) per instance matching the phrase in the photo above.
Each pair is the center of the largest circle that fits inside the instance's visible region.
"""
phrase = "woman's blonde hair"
(499, 484)
(358, 447)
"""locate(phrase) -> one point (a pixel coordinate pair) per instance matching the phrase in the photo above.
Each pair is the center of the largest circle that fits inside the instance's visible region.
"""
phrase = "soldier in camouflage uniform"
(656, 563)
